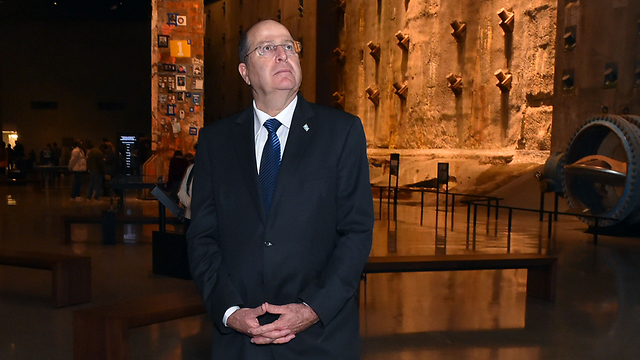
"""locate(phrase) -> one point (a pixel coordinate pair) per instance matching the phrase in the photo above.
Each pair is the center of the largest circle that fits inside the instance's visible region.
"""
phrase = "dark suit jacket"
(312, 247)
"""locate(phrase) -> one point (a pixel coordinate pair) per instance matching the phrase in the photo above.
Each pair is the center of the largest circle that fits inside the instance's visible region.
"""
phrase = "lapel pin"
(305, 127)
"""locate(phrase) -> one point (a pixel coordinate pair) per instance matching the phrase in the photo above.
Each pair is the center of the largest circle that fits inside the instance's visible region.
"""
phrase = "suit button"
(267, 243)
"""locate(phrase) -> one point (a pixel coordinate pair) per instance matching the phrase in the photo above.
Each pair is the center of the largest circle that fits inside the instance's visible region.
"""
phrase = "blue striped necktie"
(270, 163)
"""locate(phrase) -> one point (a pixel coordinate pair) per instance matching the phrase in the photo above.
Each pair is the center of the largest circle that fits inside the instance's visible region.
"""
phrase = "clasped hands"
(293, 319)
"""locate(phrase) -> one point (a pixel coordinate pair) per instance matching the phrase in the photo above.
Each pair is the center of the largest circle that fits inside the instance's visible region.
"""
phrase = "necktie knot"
(272, 125)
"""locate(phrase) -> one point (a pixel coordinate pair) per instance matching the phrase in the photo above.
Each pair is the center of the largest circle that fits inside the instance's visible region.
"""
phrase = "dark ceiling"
(24, 10)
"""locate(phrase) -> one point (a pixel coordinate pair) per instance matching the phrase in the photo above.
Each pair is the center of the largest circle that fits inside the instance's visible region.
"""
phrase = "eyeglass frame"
(297, 47)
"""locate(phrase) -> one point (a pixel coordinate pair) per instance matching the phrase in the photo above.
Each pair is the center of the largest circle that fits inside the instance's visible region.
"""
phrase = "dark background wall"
(607, 34)
(87, 59)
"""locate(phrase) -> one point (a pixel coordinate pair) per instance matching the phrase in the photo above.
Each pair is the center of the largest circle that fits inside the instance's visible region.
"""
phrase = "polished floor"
(440, 315)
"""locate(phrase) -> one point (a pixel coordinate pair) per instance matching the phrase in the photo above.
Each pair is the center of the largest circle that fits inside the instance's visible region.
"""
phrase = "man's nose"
(280, 53)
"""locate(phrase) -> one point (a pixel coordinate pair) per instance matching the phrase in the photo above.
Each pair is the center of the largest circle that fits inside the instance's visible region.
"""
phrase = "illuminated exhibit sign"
(128, 149)
(10, 137)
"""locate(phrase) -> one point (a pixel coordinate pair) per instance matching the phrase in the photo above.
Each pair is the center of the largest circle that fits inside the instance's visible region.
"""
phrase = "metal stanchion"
(509, 230)
(475, 219)
(421, 206)
(468, 222)
(453, 208)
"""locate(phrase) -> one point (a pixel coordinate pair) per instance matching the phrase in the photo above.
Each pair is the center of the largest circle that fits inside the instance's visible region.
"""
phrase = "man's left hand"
(293, 317)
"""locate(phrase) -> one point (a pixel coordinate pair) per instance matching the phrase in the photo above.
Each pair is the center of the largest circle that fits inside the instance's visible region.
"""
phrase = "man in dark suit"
(282, 215)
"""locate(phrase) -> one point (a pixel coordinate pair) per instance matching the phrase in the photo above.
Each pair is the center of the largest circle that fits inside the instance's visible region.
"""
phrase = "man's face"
(270, 74)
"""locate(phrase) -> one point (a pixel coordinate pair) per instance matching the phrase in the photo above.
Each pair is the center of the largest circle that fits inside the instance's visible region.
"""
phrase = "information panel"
(128, 152)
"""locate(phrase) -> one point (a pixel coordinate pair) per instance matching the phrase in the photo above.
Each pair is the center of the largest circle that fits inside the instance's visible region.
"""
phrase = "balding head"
(245, 40)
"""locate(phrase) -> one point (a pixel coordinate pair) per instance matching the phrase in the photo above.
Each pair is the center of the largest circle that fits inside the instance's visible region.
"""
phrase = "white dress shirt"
(260, 117)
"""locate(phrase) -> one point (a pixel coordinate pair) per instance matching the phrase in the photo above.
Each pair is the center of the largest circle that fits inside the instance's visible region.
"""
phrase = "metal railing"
(551, 217)
(476, 201)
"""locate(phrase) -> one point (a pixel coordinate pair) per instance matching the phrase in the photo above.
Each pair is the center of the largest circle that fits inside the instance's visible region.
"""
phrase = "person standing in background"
(65, 155)
(177, 167)
(56, 152)
(45, 156)
(186, 189)
(95, 165)
(110, 165)
(78, 166)
(10, 157)
(4, 159)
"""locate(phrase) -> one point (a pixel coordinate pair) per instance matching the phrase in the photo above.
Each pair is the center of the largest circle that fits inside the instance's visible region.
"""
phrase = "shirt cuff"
(228, 313)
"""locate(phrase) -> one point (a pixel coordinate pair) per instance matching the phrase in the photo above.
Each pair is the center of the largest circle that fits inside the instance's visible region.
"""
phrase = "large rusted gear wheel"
(600, 170)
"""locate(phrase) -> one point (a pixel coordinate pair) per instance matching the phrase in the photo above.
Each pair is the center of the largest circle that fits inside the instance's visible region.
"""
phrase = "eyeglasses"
(269, 49)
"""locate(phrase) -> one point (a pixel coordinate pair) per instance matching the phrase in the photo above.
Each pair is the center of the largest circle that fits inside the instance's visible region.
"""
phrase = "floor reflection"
(438, 315)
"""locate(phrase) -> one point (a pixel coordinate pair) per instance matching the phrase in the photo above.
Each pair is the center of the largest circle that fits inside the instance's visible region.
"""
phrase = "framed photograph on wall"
(163, 41)
(169, 67)
(173, 19)
(181, 82)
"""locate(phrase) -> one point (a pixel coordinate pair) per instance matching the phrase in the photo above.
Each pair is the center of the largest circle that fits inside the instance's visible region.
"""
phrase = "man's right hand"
(244, 319)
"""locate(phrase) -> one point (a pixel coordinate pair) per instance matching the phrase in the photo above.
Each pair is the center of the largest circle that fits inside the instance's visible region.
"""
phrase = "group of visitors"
(100, 162)
(4, 157)
(14, 157)
(51, 154)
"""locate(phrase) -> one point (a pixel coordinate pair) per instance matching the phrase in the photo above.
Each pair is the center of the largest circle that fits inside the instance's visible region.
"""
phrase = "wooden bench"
(541, 269)
(71, 273)
(102, 332)
(120, 219)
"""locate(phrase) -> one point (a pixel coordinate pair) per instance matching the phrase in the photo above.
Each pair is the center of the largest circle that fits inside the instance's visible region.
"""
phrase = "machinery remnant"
(598, 172)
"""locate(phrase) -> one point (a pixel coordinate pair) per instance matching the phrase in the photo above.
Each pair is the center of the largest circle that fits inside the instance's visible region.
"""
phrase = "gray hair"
(243, 47)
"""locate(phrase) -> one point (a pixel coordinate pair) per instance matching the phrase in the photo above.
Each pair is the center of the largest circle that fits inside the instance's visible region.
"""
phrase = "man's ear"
(244, 72)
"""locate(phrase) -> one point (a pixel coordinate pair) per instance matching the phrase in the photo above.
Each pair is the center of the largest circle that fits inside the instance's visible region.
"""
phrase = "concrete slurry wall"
(430, 115)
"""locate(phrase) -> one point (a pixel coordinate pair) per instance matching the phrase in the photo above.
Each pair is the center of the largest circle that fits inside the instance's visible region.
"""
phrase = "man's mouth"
(283, 71)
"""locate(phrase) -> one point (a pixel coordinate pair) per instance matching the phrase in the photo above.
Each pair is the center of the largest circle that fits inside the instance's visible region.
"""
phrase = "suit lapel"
(244, 141)
(300, 134)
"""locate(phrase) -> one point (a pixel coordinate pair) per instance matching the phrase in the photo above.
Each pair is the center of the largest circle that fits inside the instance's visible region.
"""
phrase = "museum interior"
(503, 139)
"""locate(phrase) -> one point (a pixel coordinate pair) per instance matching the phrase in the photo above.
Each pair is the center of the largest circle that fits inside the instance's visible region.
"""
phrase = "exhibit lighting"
(10, 137)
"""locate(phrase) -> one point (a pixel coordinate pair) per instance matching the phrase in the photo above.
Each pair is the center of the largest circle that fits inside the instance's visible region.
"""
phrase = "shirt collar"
(285, 116)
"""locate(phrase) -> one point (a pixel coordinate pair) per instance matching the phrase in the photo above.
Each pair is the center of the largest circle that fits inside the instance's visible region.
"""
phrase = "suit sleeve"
(205, 259)
(354, 226)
